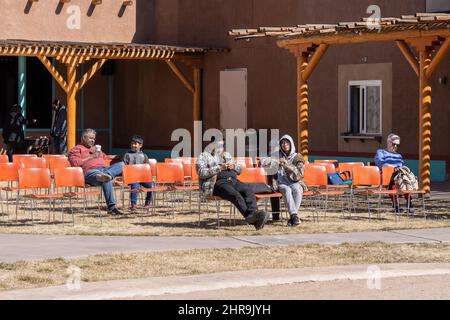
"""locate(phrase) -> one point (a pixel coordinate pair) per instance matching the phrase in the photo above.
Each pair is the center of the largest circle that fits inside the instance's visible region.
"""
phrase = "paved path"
(39, 247)
(348, 282)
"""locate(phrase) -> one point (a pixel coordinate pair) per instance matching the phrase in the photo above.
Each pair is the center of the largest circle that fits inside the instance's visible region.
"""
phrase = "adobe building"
(201, 73)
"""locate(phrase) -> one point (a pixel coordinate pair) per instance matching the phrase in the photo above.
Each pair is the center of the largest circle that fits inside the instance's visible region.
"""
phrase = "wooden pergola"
(73, 55)
(423, 39)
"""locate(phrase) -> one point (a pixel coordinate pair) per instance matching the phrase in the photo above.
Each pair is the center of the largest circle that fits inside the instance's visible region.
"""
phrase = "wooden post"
(71, 106)
(303, 105)
(196, 106)
(424, 121)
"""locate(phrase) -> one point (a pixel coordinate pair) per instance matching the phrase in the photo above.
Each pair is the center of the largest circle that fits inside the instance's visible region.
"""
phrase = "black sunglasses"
(396, 144)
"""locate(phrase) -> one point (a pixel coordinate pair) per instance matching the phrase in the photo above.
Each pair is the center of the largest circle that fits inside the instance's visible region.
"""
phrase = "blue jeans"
(134, 195)
(293, 195)
(108, 190)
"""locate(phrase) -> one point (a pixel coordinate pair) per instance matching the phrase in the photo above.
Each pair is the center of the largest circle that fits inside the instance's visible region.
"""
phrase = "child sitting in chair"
(137, 156)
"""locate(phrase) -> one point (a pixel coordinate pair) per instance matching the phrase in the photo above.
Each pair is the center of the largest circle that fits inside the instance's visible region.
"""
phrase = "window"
(364, 109)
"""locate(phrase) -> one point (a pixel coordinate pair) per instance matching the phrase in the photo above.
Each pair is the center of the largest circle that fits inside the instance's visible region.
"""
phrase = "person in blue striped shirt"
(391, 158)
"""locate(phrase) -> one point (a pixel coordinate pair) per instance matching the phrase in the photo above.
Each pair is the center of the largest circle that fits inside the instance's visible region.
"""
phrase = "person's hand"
(34, 120)
(96, 154)
(231, 166)
(283, 161)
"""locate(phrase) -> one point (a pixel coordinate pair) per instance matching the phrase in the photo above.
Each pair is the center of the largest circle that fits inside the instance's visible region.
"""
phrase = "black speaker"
(108, 68)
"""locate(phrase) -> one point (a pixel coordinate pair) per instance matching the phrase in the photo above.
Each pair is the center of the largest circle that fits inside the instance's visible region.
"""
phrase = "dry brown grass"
(186, 224)
(135, 266)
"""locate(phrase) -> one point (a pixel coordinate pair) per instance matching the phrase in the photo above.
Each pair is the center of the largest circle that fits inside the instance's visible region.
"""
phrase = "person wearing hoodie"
(288, 179)
(218, 177)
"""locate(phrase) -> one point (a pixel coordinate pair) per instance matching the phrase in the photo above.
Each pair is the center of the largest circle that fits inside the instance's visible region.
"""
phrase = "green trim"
(22, 76)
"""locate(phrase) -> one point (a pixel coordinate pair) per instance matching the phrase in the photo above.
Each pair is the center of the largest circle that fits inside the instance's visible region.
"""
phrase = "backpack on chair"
(405, 180)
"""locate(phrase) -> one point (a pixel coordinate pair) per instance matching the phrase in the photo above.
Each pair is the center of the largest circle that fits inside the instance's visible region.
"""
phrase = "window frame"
(363, 101)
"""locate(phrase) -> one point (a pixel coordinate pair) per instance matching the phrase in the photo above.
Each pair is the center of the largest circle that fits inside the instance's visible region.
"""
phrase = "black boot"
(258, 219)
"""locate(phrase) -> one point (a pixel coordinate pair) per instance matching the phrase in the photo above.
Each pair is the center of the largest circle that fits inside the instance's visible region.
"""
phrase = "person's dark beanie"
(137, 139)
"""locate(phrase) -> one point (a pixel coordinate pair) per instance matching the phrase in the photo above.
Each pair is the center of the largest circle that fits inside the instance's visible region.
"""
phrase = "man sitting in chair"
(218, 177)
(90, 157)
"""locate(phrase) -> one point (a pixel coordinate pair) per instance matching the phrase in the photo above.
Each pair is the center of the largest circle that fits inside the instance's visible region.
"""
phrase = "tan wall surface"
(47, 20)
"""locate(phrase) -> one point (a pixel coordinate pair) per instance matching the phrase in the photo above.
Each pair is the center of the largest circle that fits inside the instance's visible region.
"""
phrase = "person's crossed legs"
(103, 177)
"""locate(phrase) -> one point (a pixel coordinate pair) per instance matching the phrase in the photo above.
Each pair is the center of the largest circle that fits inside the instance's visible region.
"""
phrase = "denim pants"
(293, 195)
(108, 190)
(134, 195)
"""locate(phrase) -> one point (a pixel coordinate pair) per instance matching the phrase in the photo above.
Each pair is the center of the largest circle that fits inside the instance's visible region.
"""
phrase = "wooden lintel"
(180, 76)
(423, 43)
(89, 74)
(366, 37)
(54, 72)
(317, 55)
(407, 53)
(192, 61)
(440, 55)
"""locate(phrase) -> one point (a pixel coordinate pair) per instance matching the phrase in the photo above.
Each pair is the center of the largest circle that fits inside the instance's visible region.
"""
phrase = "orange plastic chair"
(139, 173)
(253, 175)
(169, 173)
(334, 162)
(73, 177)
(316, 177)
(35, 179)
(9, 173)
(33, 163)
(18, 157)
(330, 168)
(153, 163)
(366, 177)
(58, 162)
(170, 160)
(348, 166)
(49, 157)
(248, 161)
(4, 158)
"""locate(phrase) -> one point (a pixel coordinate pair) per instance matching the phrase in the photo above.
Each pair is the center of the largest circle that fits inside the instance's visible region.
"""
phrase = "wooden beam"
(180, 76)
(407, 53)
(89, 74)
(302, 106)
(196, 106)
(365, 37)
(314, 61)
(440, 55)
(54, 72)
(71, 106)
(424, 121)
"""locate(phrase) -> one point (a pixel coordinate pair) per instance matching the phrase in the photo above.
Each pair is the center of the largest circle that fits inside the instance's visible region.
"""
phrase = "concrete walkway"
(212, 286)
(40, 247)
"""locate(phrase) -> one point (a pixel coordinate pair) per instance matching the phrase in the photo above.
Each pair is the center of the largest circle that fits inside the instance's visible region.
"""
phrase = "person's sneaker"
(147, 206)
(114, 211)
(133, 208)
(103, 177)
(294, 221)
(411, 210)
